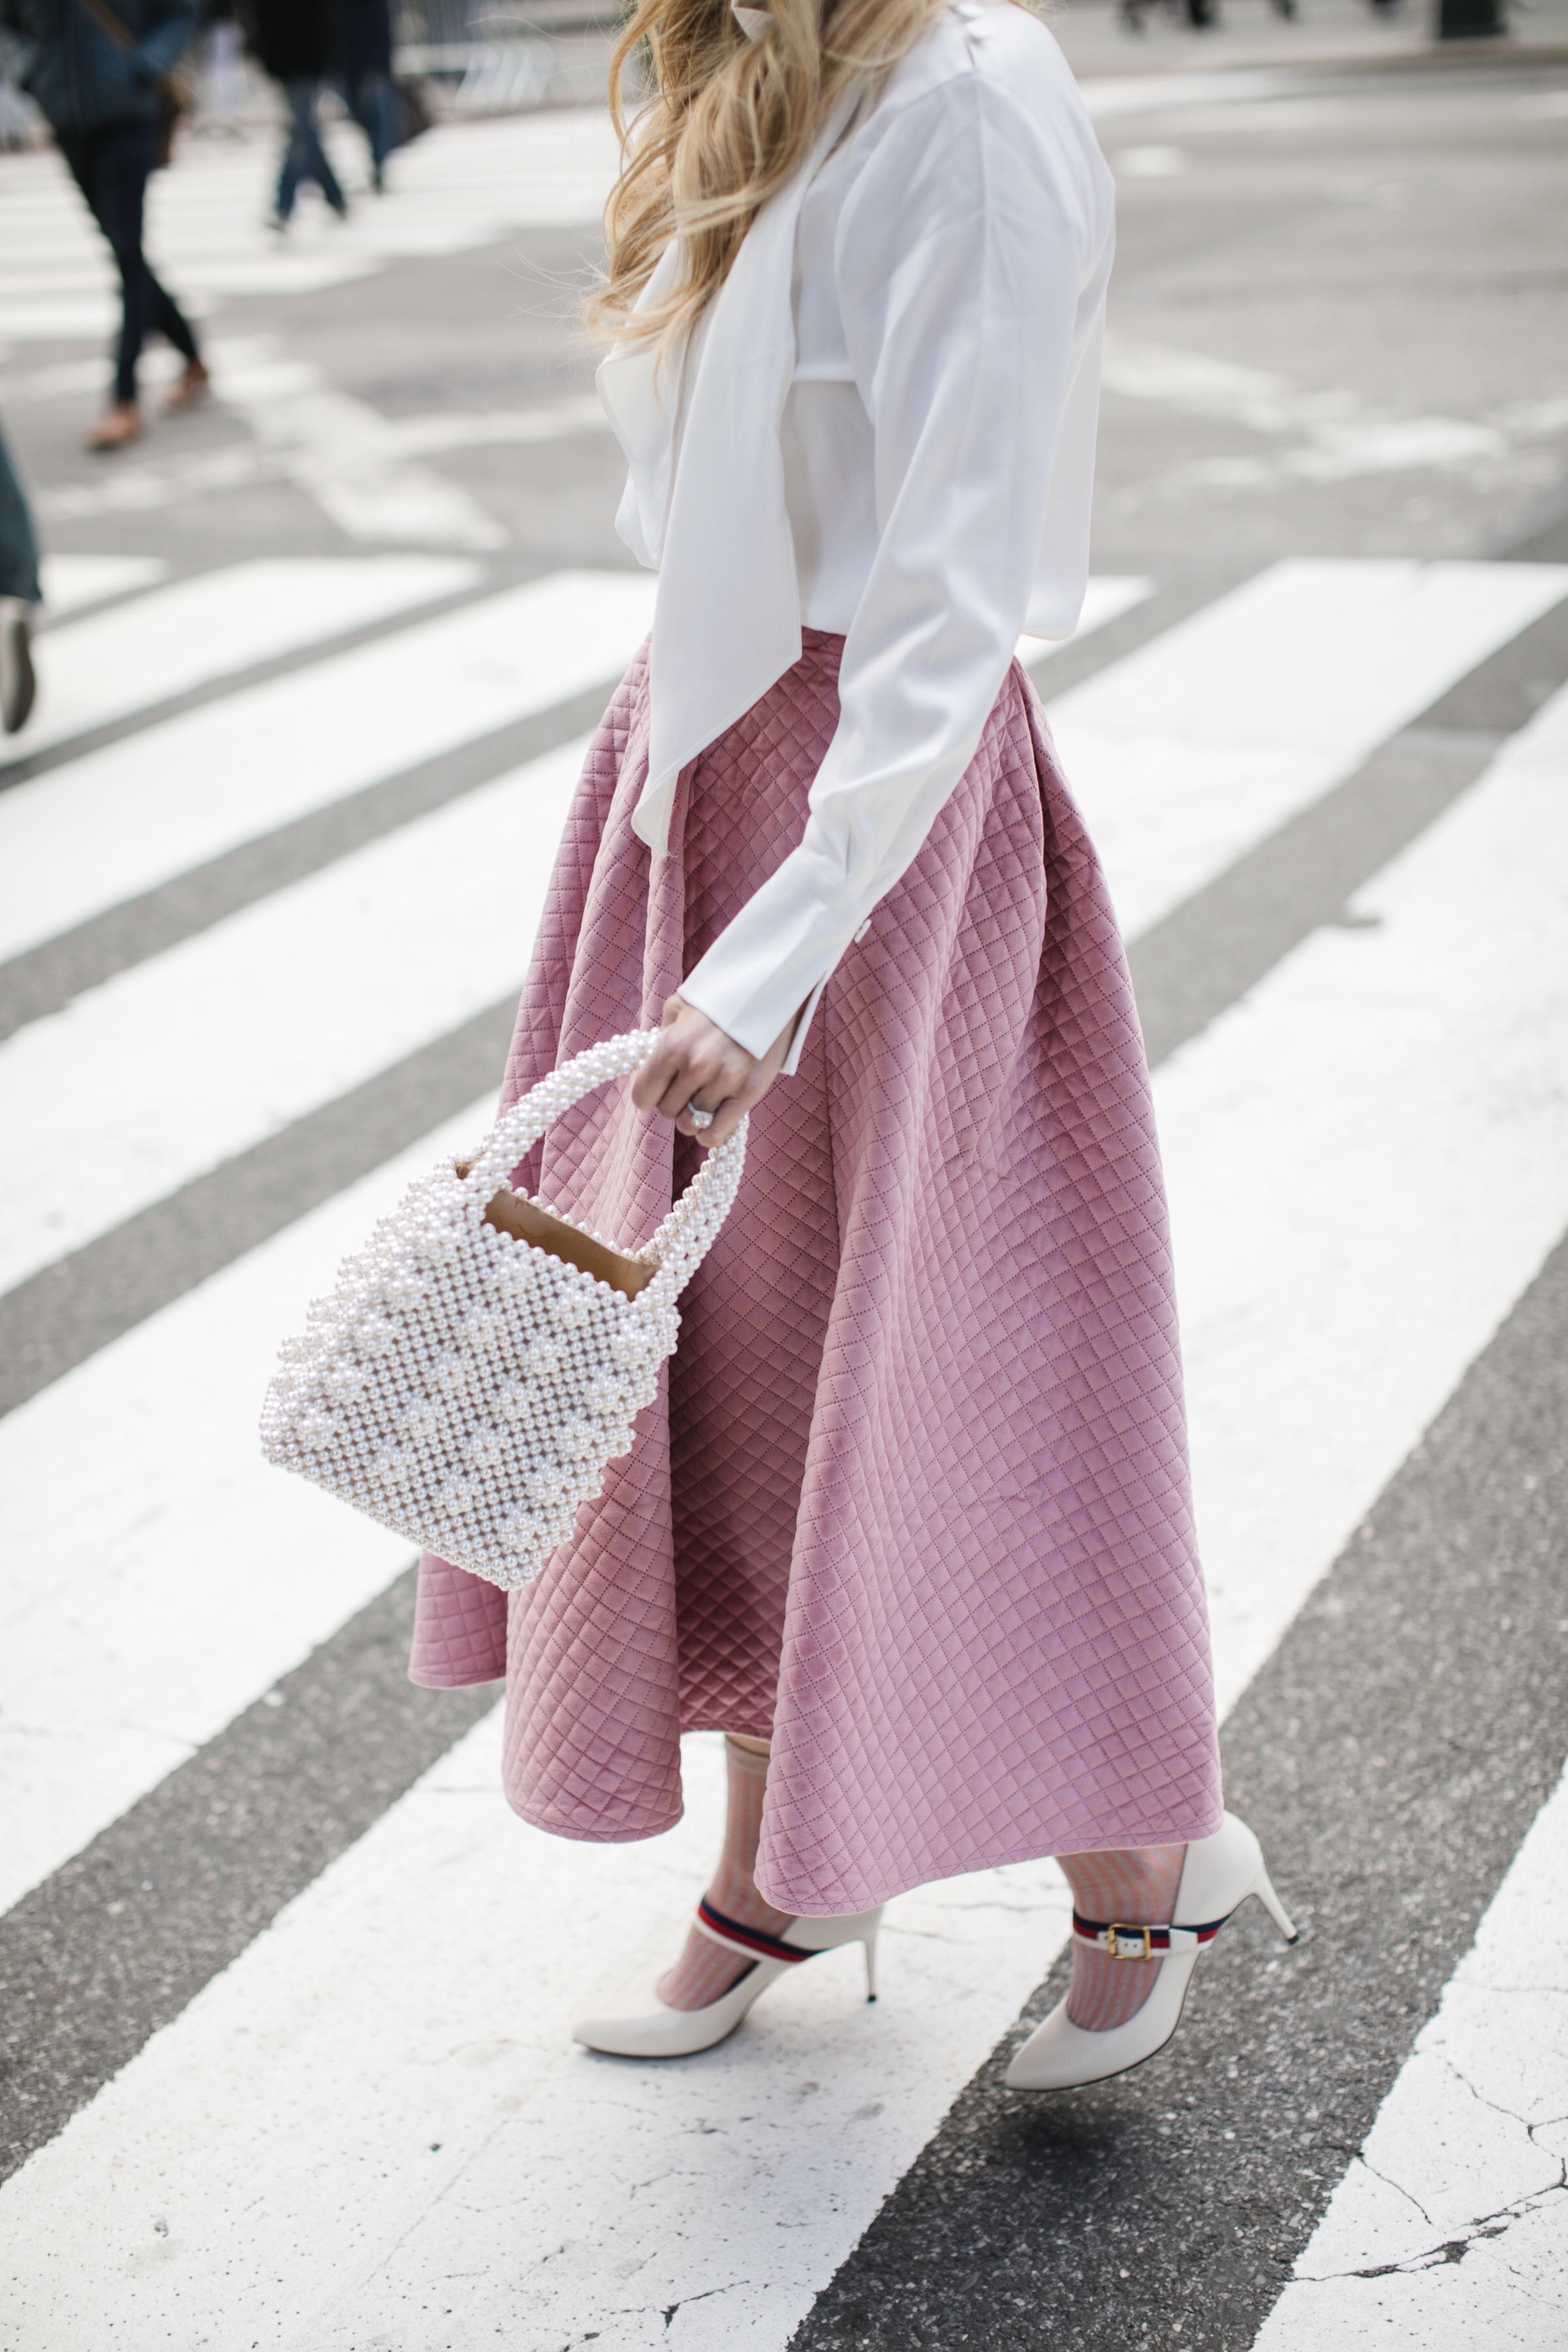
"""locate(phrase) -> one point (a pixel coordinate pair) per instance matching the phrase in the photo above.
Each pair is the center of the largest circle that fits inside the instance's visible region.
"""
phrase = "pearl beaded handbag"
(467, 1386)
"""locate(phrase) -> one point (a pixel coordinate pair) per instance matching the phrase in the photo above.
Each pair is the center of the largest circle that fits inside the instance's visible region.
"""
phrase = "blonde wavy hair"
(729, 122)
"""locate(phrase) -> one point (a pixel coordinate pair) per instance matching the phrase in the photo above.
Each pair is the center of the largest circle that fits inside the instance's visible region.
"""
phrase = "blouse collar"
(704, 499)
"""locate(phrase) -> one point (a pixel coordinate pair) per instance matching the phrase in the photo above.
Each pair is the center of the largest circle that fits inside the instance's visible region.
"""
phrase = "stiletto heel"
(1264, 1890)
(643, 2027)
(1219, 1876)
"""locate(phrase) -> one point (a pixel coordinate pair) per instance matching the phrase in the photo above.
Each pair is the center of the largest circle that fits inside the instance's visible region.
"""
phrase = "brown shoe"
(116, 427)
(189, 391)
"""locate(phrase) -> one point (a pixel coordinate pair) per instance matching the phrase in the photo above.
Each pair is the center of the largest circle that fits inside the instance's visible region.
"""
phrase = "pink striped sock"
(1138, 1886)
(705, 1970)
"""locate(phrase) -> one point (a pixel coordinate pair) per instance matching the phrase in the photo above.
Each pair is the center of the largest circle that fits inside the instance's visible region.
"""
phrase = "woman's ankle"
(706, 1971)
(1135, 1887)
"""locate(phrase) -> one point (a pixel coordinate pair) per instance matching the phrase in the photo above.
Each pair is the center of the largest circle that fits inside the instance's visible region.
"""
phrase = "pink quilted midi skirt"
(913, 1502)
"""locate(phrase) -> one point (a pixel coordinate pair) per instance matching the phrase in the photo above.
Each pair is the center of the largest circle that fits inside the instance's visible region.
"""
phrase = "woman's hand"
(695, 1062)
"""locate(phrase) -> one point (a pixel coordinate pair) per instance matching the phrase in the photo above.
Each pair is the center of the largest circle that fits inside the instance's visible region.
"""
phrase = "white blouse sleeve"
(962, 259)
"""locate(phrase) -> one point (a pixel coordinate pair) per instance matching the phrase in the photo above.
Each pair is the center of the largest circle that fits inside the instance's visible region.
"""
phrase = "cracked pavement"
(1468, 2160)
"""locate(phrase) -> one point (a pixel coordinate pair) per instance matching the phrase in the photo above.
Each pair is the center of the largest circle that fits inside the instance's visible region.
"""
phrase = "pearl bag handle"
(678, 1246)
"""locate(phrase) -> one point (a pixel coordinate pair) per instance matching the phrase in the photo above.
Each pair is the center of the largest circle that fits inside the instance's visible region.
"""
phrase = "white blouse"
(885, 427)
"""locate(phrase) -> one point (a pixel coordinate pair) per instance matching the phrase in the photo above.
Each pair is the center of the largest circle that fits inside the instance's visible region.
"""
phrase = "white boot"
(642, 2026)
(1217, 1875)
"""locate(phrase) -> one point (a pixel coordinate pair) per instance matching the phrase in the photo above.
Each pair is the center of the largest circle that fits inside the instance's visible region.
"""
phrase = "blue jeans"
(372, 102)
(305, 158)
(110, 164)
(18, 547)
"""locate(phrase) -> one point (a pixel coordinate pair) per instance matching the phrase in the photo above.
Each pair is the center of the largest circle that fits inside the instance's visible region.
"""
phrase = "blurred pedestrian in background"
(223, 88)
(292, 42)
(101, 78)
(20, 594)
(362, 59)
(1203, 15)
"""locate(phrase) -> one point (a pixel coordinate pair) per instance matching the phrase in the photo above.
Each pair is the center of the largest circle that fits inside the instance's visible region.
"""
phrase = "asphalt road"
(1338, 345)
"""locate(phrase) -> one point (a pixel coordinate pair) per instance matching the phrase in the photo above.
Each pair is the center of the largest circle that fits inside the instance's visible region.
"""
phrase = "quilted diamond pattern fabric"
(914, 1501)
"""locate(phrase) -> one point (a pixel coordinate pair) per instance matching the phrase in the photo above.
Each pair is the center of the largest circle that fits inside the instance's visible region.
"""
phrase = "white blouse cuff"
(771, 964)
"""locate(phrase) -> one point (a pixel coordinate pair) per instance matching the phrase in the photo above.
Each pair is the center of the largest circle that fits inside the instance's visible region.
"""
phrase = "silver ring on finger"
(701, 1120)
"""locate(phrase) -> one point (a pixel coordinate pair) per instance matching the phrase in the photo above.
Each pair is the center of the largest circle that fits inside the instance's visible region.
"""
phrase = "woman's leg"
(317, 167)
(19, 545)
(303, 145)
(291, 164)
(369, 101)
(110, 165)
(743, 1390)
(1135, 1888)
(384, 116)
(18, 595)
(128, 166)
(170, 321)
(125, 160)
(356, 96)
(705, 1970)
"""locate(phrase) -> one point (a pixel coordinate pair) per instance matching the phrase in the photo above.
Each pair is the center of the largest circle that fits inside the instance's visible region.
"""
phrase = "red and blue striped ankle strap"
(742, 1938)
(1122, 1939)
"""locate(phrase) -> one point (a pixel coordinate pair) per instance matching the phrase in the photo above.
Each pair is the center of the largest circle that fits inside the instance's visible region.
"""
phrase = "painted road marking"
(1189, 750)
(641, 2192)
(71, 582)
(178, 1064)
(1451, 2226)
(1394, 1169)
(239, 992)
(107, 667)
(183, 1575)
(206, 221)
(121, 820)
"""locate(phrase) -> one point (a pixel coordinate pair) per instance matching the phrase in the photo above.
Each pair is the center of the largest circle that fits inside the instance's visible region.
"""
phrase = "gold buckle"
(1120, 1927)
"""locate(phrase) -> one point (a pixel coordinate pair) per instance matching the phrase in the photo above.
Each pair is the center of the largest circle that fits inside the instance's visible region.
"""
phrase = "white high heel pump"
(643, 2027)
(1217, 1877)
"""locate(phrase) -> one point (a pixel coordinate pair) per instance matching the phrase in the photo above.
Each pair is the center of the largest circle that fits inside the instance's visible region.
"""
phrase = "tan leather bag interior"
(512, 1213)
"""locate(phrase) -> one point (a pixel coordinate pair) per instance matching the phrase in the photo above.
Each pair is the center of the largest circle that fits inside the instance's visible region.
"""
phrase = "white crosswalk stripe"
(280, 1009)
(1470, 2146)
(72, 583)
(184, 1578)
(121, 820)
(205, 220)
(362, 467)
(743, 2178)
(131, 816)
(110, 665)
(1466, 2156)
(1383, 1105)
(1188, 752)
(1387, 1099)
(428, 926)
